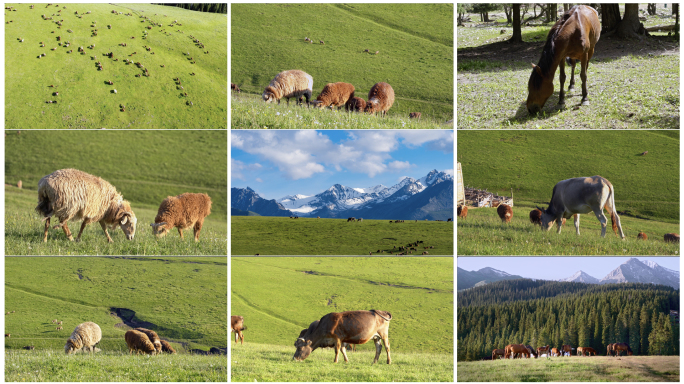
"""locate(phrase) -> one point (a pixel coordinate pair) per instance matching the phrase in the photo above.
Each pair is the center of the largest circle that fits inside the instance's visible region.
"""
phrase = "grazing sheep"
(334, 95)
(642, 236)
(166, 347)
(59, 323)
(355, 104)
(505, 213)
(462, 211)
(59, 328)
(287, 84)
(72, 194)
(154, 338)
(380, 99)
(29, 347)
(85, 336)
(672, 238)
(183, 212)
(138, 342)
(535, 217)
(235, 88)
(414, 115)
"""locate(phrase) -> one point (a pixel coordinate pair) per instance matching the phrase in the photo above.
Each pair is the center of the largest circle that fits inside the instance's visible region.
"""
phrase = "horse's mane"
(549, 51)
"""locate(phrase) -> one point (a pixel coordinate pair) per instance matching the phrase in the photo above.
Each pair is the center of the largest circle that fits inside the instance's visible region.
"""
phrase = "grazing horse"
(554, 352)
(609, 349)
(497, 352)
(566, 348)
(574, 36)
(541, 350)
(531, 350)
(585, 350)
(617, 347)
(582, 195)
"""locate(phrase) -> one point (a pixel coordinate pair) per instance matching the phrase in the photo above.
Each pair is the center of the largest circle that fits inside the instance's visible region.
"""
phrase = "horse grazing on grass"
(617, 347)
(566, 348)
(497, 352)
(554, 352)
(531, 350)
(574, 37)
(542, 350)
(585, 350)
(515, 349)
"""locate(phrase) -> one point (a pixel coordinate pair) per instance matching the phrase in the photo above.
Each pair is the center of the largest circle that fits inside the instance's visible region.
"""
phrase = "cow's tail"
(385, 315)
(611, 209)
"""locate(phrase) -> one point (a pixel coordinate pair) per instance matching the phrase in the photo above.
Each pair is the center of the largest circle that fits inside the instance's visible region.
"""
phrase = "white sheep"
(287, 84)
(85, 336)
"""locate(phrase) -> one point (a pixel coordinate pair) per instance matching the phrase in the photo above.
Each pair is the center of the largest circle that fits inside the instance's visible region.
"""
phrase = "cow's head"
(303, 349)
(547, 219)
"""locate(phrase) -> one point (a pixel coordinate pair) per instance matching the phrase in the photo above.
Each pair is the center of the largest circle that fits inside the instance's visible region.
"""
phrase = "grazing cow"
(672, 238)
(462, 211)
(582, 195)
(353, 327)
(237, 326)
(312, 327)
(498, 352)
(617, 347)
(642, 236)
(505, 213)
(541, 350)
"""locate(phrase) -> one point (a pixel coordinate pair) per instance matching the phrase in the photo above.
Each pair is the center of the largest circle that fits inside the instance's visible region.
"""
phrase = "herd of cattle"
(513, 351)
(570, 198)
(339, 330)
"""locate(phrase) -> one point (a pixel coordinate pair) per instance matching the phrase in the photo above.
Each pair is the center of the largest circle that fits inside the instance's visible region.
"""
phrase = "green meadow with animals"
(643, 167)
(136, 66)
(144, 166)
(278, 297)
(408, 46)
(182, 299)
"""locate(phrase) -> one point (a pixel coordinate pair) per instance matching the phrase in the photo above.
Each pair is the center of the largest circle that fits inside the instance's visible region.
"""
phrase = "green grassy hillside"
(263, 235)
(279, 297)
(85, 100)
(415, 44)
(145, 166)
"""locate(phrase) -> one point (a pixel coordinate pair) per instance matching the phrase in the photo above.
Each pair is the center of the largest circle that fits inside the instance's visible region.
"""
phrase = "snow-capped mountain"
(340, 198)
(469, 279)
(637, 271)
(581, 277)
(246, 199)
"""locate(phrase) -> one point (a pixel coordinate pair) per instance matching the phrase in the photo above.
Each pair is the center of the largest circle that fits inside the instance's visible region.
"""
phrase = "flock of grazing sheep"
(299, 85)
(87, 335)
(72, 194)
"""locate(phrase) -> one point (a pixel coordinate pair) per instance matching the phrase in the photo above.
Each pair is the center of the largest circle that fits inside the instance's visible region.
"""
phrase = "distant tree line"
(202, 7)
(637, 314)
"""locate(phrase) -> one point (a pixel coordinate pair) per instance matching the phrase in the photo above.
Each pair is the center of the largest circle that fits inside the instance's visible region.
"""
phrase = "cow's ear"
(308, 342)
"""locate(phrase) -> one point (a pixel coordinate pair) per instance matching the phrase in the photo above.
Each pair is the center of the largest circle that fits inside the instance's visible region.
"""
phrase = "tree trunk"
(486, 17)
(675, 9)
(554, 12)
(651, 7)
(517, 29)
(630, 26)
(507, 11)
(610, 17)
(566, 7)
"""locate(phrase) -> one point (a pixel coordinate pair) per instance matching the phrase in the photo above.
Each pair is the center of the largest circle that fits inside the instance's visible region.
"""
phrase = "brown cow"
(462, 211)
(505, 213)
(497, 352)
(353, 327)
(312, 327)
(672, 238)
(237, 326)
(617, 347)
(514, 349)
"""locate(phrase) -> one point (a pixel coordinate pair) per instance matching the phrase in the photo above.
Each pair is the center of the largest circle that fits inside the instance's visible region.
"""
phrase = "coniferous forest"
(540, 313)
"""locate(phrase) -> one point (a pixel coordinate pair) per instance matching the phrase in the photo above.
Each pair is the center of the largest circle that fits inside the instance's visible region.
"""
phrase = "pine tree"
(634, 337)
(644, 328)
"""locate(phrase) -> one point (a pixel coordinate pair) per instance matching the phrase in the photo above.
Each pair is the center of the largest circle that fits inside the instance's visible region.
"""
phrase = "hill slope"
(415, 44)
(85, 100)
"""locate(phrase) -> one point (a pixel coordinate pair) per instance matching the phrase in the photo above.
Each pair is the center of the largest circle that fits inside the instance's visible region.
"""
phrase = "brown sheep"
(505, 213)
(85, 336)
(166, 347)
(154, 338)
(72, 194)
(535, 217)
(642, 236)
(355, 104)
(380, 99)
(672, 238)
(138, 342)
(183, 212)
(287, 84)
(414, 115)
(462, 211)
(334, 95)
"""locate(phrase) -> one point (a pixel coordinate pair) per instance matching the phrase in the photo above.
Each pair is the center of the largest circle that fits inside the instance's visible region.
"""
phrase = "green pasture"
(145, 166)
(85, 100)
(574, 368)
(632, 84)
(251, 235)
(415, 44)
(280, 296)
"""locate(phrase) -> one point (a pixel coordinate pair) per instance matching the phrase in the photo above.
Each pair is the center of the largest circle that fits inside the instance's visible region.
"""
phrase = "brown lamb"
(380, 99)
(166, 347)
(355, 104)
(154, 338)
(138, 342)
(334, 95)
(183, 212)
(505, 213)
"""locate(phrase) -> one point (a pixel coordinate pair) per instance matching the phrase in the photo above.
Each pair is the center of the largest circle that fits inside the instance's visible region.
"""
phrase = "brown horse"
(574, 36)
(566, 348)
(515, 349)
(554, 352)
(541, 350)
(497, 352)
(617, 347)
(584, 350)
(531, 351)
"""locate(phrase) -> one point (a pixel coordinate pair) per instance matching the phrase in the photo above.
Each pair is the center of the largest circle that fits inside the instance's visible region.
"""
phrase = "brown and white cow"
(580, 195)
(237, 326)
(352, 327)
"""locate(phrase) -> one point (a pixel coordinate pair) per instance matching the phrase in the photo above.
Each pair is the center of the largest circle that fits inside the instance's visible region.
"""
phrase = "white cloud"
(237, 168)
(258, 179)
(449, 172)
(399, 165)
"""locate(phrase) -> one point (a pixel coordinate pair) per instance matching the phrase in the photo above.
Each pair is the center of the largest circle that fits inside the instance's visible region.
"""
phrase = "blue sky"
(286, 162)
(554, 268)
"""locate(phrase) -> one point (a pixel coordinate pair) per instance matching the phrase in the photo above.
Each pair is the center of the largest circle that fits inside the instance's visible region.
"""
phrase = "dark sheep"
(138, 342)
(380, 99)
(535, 217)
(166, 347)
(414, 115)
(334, 95)
(672, 238)
(355, 104)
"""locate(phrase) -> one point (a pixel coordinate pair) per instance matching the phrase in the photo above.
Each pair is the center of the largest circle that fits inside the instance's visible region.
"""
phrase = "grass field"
(262, 235)
(631, 84)
(280, 296)
(415, 44)
(85, 100)
(145, 166)
(531, 163)
(601, 368)
(182, 299)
